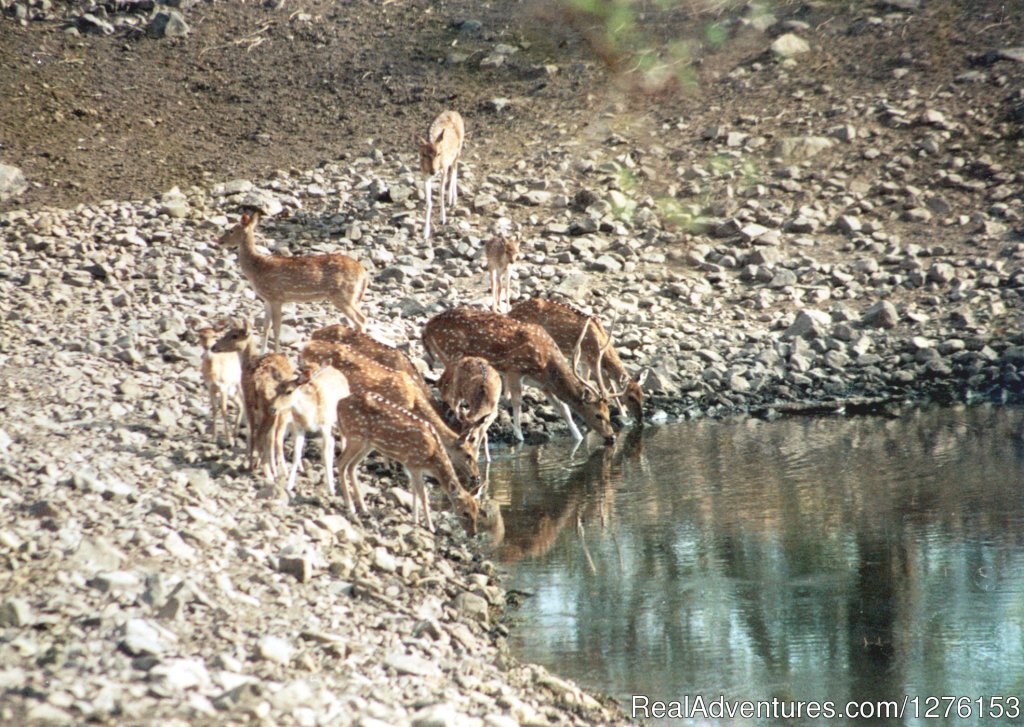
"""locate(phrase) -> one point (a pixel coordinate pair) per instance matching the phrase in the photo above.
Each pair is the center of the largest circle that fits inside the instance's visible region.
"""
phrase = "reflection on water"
(803, 559)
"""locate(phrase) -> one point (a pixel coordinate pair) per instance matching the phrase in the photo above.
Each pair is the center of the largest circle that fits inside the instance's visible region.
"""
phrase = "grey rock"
(147, 638)
(301, 568)
(12, 182)
(941, 273)
(801, 147)
(472, 606)
(168, 24)
(809, 323)
(16, 612)
(880, 315)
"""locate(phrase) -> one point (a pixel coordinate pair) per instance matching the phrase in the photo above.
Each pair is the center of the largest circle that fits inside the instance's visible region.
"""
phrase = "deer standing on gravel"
(309, 401)
(471, 388)
(520, 351)
(382, 353)
(222, 374)
(599, 361)
(371, 422)
(501, 253)
(261, 376)
(439, 155)
(279, 279)
(365, 374)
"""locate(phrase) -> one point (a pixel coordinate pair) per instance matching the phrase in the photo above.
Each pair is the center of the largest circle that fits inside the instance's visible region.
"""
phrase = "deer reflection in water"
(530, 529)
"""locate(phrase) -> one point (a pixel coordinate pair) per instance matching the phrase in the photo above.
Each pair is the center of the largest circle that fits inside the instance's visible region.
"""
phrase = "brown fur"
(279, 279)
(519, 351)
(471, 388)
(372, 422)
(501, 253)
(565, 323)
(439, 155)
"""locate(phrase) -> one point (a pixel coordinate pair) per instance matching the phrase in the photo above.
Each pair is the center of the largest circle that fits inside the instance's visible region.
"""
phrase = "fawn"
(261, 375)
(439, 155)
(222, 374)
(600, 362)
(370, 422)
(310, 402)
(501, 253)
(279, 279)
(471, 388)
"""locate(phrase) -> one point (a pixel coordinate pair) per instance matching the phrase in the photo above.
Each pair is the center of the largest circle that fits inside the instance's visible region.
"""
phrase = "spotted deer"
(280, 279)
(309, 401)
(365, 374)
(471, 388)
(501, 253)
(372, 422)
(439, 156)
(382, 353)
(261, 376)
(599, 361)
(520, 352)
(222, 375)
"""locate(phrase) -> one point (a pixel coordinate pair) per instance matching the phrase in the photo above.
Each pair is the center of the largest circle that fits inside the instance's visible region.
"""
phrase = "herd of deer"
(375, 395)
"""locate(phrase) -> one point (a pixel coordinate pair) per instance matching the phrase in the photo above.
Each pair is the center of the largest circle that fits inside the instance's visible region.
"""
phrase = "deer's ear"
(245, 220)
(440, 136)
(642, 377)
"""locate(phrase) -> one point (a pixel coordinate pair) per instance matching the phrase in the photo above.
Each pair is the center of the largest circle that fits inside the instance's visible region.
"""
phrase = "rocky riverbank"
(862, 245)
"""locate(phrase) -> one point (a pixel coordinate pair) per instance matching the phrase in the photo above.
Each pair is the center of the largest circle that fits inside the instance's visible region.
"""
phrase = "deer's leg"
(238, 417)
(442, 193)
(515, 391)
(268, 317)
(299, 446)
(430, 206)
(329, 456)
(508, 288)
(275, 312)
(453, 185)
(419, 494)
(495, 291)
(566, 414)
(349, 452)
(214, 410)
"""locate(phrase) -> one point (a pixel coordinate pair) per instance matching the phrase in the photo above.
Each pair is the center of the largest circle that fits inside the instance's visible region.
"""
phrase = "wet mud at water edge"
(830, 558)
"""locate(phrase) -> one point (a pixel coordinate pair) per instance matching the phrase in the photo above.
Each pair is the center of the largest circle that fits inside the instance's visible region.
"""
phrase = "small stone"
(881, 315)
(439, 715)
(12, 182)
(301, 568)
(15, 612)
(941, 273)
(275, 649)
(809, 323)
(147, 638)
(789, 45)
(414, 665)
(168, 24)
(384, 561)
(181, 674)
(472, 606)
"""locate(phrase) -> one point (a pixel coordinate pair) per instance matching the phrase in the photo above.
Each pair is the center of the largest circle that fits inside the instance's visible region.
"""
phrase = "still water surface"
(801, 559)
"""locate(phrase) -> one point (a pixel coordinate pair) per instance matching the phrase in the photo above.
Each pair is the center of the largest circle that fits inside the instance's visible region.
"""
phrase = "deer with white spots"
(439, 157)
(598, 359)
(371, 422)
(280, 279)
(471, 388)
(365, 374)
(520, 352)
(501, 253)
(387, 356)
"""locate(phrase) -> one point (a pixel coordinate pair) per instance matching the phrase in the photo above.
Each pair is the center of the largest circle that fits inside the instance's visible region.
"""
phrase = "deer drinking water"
(439, 156)
(471, 388)
(372, 422)
(599, 360)
(519, 351)
(279, 279)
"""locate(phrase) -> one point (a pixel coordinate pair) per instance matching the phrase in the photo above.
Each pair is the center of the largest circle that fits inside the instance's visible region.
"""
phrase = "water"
(802, 559)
